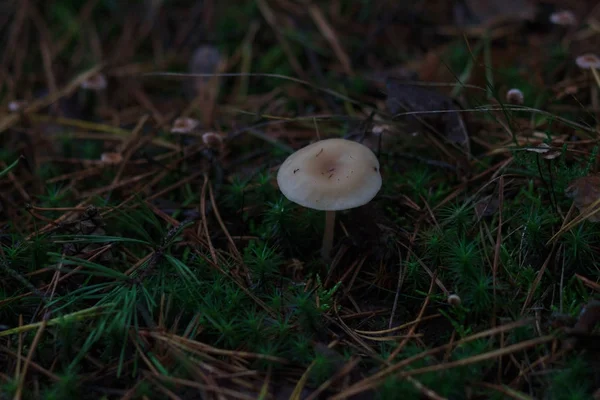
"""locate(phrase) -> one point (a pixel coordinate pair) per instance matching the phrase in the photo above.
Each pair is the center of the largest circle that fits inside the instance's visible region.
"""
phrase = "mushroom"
(515, 96)
(588, 61)
(17, 105)
(330, 175)
(563, 18)
(111, 158)
(212, 140)
(96, 83)
(591, 62)
(184, 125)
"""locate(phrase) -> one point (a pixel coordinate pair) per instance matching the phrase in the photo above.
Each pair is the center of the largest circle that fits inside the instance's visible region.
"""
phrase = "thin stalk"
(328, 234)
(548, 188)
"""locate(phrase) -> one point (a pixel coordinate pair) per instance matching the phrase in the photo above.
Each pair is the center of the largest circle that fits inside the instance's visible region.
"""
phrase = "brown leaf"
(406, 97)
(487, 206)
(90, 222)
(582, 331)
(584, 192)
(588, 317)
(551, 155)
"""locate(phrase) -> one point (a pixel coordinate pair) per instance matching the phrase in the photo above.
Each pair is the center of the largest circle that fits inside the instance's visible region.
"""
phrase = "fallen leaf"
(588, 317)
(407, 97)
(90, 222)
(487, 206)
(583, 329)
(584, 192)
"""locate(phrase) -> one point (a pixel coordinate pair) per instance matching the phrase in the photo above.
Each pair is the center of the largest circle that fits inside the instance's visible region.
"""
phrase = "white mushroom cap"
(331, 174)
(587, 61)
(515, 96)
(111, 158)
(184, 125)
(96, 82)
(563, 17)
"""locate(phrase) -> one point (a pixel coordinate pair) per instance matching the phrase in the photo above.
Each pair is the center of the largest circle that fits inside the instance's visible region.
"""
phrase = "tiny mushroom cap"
(16, 105)
(563, 17)
(96, 82)
(212, 140)
(330, 175)
(111, 158)
(588, 61)
(515, 96)
(184, 125)
(454, 300)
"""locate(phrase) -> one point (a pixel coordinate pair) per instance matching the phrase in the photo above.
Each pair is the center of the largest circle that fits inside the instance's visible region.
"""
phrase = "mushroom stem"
(328, 234)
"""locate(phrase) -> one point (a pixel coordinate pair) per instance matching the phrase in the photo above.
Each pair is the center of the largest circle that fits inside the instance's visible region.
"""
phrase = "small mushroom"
(212, 140)
(591, 63)
(454, 300)
(96, 83)
(563, 18)
(330, 175)
(184, 125)
(585, 192)
(17, 105)
(588, 61)
(515, 96)
(111, 158)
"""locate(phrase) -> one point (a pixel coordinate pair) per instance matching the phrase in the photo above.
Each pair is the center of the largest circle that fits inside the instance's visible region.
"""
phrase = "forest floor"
(147, 252)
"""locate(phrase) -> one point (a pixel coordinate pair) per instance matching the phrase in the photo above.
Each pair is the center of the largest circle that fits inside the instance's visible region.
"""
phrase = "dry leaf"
(585, 191)
(111, 158)
(583, 329)
(95, 83)
(89, 223)
(589, 317)
(407, 97)
(487, 206)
